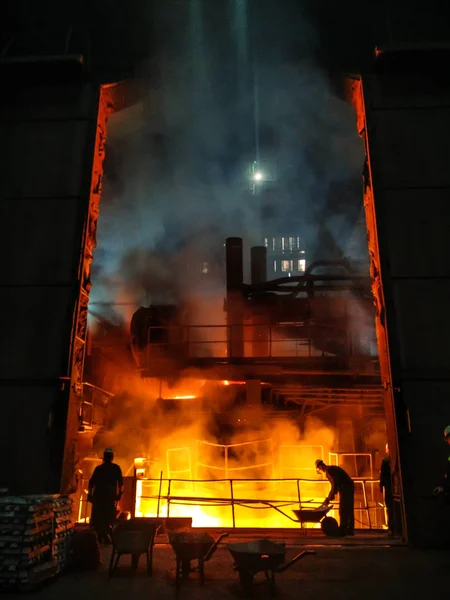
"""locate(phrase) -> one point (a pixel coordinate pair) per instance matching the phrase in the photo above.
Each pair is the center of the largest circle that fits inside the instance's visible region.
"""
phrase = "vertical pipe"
(234, 263)
(232, 504)
(258, 264)
(168, 498)
(159, 494)
(235, 303)
(260, 315)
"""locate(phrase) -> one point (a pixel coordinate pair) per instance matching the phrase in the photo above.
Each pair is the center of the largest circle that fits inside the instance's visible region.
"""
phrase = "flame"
(246, 515)
(209, 503)
(269, 464)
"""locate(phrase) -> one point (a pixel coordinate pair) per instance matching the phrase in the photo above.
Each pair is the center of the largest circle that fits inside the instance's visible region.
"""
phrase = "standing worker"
(386, 487)
(105, 490)
(342, 484)
(444, 489)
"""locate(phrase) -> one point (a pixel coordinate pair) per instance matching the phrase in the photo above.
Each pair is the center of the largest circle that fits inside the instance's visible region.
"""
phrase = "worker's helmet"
(108, 454)
(320, 465)
(447, 431)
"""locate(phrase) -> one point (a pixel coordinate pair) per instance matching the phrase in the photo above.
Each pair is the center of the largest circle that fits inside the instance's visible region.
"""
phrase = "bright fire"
(255, 478)
(261, 491)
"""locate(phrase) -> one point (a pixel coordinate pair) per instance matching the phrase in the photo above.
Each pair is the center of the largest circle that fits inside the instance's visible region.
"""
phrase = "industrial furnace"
(226, 427)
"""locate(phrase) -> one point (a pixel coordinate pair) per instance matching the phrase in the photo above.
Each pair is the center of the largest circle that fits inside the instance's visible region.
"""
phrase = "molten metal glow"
(217, 513)
(183, 397)
(234, 485)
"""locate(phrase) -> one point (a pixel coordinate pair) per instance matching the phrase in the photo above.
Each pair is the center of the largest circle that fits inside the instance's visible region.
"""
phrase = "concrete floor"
(364, 568)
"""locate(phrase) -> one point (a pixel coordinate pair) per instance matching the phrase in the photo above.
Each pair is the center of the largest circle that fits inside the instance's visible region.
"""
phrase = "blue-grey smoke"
(177, 170)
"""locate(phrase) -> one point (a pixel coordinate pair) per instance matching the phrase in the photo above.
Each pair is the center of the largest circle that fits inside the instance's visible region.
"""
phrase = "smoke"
(177, 169)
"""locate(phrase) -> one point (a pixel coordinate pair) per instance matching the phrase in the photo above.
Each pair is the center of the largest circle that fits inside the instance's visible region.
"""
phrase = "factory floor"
(367, 567)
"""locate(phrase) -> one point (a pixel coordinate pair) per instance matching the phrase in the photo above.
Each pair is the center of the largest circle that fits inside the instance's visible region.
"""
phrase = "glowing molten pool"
(237, 503)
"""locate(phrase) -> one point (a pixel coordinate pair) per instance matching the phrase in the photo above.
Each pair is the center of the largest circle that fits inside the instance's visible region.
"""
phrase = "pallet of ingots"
(35, 536)
(64, 527)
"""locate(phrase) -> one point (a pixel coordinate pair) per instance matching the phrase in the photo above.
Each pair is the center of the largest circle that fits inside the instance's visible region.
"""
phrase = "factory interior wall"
(407, 120)
(47, 134)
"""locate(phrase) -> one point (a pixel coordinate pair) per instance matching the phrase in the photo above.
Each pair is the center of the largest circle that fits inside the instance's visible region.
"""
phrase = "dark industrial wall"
(407, 123)
(47, 137)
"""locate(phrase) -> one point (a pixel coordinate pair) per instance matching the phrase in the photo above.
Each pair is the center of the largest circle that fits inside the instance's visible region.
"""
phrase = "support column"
(404, 115)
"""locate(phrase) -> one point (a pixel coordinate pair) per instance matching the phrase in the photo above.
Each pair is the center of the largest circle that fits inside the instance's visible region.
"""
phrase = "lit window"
(266, 241)
(274, 244)
(287, 265)
(301, 265)
(274, 266)
(282, 243)
(205, 268)
(292, 244)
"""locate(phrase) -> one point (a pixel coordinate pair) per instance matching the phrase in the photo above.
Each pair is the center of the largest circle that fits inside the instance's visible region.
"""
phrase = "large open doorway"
(220, 410)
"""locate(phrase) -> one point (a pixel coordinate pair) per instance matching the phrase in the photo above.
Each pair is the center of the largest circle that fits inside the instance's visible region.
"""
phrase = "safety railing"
(258, 341)
(337, 458)
(225, 463)
(84, 507)
(183, 462)
(174, 494)
(92, 409)
(292, 455)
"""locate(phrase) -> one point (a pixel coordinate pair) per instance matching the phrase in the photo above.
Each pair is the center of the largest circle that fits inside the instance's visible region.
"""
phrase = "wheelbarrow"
(258, 556)
(190, 546)
(134, 537)
(329, 525)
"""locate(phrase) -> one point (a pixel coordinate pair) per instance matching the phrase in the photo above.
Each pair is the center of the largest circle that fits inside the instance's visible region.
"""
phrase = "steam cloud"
(176, 175)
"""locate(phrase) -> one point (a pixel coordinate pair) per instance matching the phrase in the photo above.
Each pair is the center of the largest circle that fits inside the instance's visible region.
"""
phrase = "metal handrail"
(226, 447)
(354, 455)
(183, 337)
(234, 501)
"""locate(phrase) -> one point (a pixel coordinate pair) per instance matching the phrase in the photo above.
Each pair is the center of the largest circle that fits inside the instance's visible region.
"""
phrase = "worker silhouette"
(342, 484)
(105, 490)
(387, 490)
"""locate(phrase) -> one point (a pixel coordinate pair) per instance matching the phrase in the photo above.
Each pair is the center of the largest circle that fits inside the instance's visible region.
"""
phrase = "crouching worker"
(342, 484)
(105, 490)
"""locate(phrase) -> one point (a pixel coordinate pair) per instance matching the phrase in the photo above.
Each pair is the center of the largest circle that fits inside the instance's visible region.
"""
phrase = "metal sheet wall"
(407, 118)
(47, 139)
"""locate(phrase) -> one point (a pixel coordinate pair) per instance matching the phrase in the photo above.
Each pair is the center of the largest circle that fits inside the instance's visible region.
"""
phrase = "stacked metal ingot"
(35, 533)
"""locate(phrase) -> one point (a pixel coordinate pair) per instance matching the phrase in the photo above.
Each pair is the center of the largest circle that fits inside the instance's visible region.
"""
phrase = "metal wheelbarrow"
(329, 525)
(190, 546)
(258, 556)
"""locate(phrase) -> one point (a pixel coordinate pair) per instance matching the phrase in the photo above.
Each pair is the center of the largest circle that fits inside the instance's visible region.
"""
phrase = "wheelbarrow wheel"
(330, 527)
(246, 580)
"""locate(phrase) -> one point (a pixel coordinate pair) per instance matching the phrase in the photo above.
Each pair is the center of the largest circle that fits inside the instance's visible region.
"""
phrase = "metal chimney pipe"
(260, 316)
(235, 301)
(258, 264)
(234, 263)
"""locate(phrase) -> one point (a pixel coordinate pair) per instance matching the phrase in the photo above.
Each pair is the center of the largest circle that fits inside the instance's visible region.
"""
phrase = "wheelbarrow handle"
(214, 546)
(294, 560)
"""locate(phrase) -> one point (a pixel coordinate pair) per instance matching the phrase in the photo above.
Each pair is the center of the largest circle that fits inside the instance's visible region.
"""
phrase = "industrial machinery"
(320, 320)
